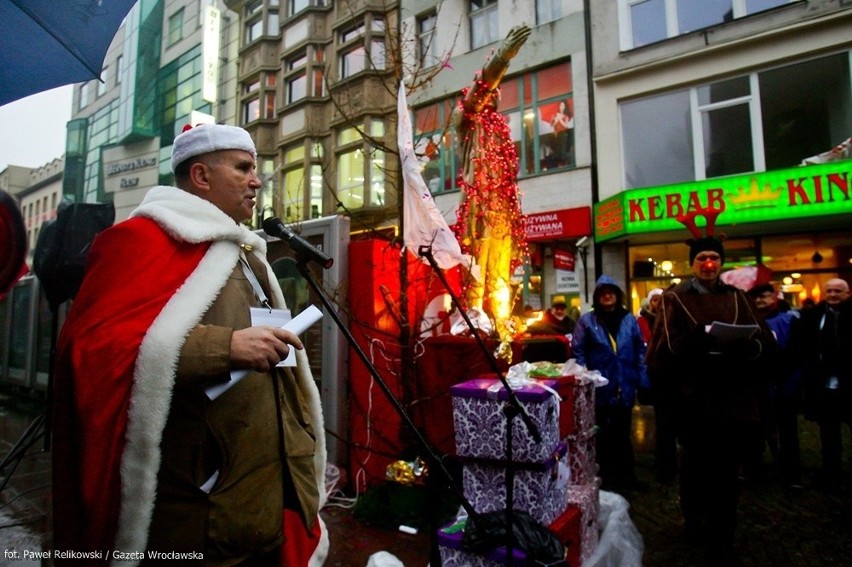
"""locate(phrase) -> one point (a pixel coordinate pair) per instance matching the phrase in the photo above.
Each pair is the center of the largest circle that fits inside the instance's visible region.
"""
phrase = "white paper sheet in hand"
(298, 325)
(726, 332)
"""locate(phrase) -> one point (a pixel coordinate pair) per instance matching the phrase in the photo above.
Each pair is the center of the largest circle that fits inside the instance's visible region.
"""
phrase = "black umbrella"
(50, 43)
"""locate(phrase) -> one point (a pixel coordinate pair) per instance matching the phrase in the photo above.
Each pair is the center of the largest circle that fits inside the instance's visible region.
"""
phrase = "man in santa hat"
(713, 386)
(146, 463)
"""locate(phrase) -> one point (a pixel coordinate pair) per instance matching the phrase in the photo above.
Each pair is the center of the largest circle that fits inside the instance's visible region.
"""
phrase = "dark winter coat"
(705, 380)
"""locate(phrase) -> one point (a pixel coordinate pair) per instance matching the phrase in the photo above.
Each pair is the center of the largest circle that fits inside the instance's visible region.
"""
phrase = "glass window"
(547, 10)
(434, 146)
(84, 96)
(697, 14)
(754, 6)
(799, 107)
(297, 88)
(377, 178)
(175, 27)
(119, 65)
(350, 179)
(655, 126)
(539, 109)
(427, 45)
(353, 61)
(726, 127)
(483, 22)
(360, 168)
(253, 7)
(251, 110)
(805, 109)
(650, 21)
(297, 6)
(102, 84)
(316, 191)
(352, 33)
(365, 49)
(254, 29)
(294, 191)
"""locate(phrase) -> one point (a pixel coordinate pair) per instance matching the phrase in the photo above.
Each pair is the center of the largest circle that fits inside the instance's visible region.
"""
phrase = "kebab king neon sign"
(809, 191)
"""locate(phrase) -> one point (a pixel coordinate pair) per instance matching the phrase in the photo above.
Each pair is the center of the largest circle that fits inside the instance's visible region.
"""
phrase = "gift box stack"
(555, 479)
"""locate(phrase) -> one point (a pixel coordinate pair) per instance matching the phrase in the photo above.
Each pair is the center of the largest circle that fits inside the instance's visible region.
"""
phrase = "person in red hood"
(713, 388)
(146, 463)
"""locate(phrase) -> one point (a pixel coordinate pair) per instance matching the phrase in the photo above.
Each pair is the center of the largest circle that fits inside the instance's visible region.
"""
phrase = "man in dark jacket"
(784, 390)
(821, 342)
(555, 320)
(714, 382)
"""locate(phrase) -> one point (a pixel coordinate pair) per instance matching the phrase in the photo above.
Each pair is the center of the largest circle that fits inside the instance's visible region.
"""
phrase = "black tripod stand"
(304, 253)
(511, 408)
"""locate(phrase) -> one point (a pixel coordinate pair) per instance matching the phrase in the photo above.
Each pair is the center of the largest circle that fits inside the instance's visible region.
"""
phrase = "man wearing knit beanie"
(713, 387)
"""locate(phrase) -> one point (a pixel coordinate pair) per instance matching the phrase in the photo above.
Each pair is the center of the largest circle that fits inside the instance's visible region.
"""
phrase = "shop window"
(539, 108)
(799, 106)
(650, 21)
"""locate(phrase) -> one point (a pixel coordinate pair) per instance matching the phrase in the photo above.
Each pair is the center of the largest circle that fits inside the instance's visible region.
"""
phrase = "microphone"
(303, 249)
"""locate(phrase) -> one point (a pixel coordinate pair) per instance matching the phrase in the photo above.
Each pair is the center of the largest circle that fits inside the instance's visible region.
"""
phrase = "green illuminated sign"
(814, 190)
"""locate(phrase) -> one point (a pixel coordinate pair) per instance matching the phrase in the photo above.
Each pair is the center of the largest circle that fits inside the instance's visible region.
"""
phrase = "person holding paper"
(144, 460)
(713, 387)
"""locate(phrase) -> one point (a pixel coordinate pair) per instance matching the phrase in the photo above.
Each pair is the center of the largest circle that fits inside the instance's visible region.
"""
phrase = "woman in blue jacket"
(608, 340)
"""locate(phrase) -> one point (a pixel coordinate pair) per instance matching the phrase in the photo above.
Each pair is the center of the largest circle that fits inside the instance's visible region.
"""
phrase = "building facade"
(717, 105)
(171, 63)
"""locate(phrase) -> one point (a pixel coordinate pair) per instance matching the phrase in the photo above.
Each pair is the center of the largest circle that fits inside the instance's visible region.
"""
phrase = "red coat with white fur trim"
(148, 283)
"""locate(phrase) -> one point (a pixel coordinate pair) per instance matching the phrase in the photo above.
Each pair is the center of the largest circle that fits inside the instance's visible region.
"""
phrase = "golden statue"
(490, 226)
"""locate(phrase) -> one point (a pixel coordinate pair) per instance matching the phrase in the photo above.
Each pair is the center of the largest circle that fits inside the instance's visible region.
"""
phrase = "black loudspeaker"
(59, 259)
(13, 235)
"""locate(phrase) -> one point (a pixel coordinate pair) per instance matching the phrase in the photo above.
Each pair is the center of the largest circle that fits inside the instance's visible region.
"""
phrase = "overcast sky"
(32, 129)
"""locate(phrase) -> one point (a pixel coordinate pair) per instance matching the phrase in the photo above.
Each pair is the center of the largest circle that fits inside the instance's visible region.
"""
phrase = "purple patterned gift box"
(540, 489)
(480, 424)
(582, 456)
(452, 554)
(577, 409)
(587, 498)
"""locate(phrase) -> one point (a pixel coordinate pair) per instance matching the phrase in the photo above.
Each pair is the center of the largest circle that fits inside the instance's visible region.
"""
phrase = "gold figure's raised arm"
(482, 90)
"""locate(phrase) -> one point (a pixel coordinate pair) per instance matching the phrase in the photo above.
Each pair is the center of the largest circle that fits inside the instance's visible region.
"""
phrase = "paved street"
(804, 528)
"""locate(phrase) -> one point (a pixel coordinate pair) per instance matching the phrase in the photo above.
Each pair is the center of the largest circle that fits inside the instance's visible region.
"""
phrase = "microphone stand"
(511, 409)
(302, 259)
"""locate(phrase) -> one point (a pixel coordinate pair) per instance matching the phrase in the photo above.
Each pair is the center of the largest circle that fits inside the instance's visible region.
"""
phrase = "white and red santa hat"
(206, 138)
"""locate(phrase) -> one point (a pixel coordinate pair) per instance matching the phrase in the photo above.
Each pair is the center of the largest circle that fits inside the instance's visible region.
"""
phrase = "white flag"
(424, 223)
